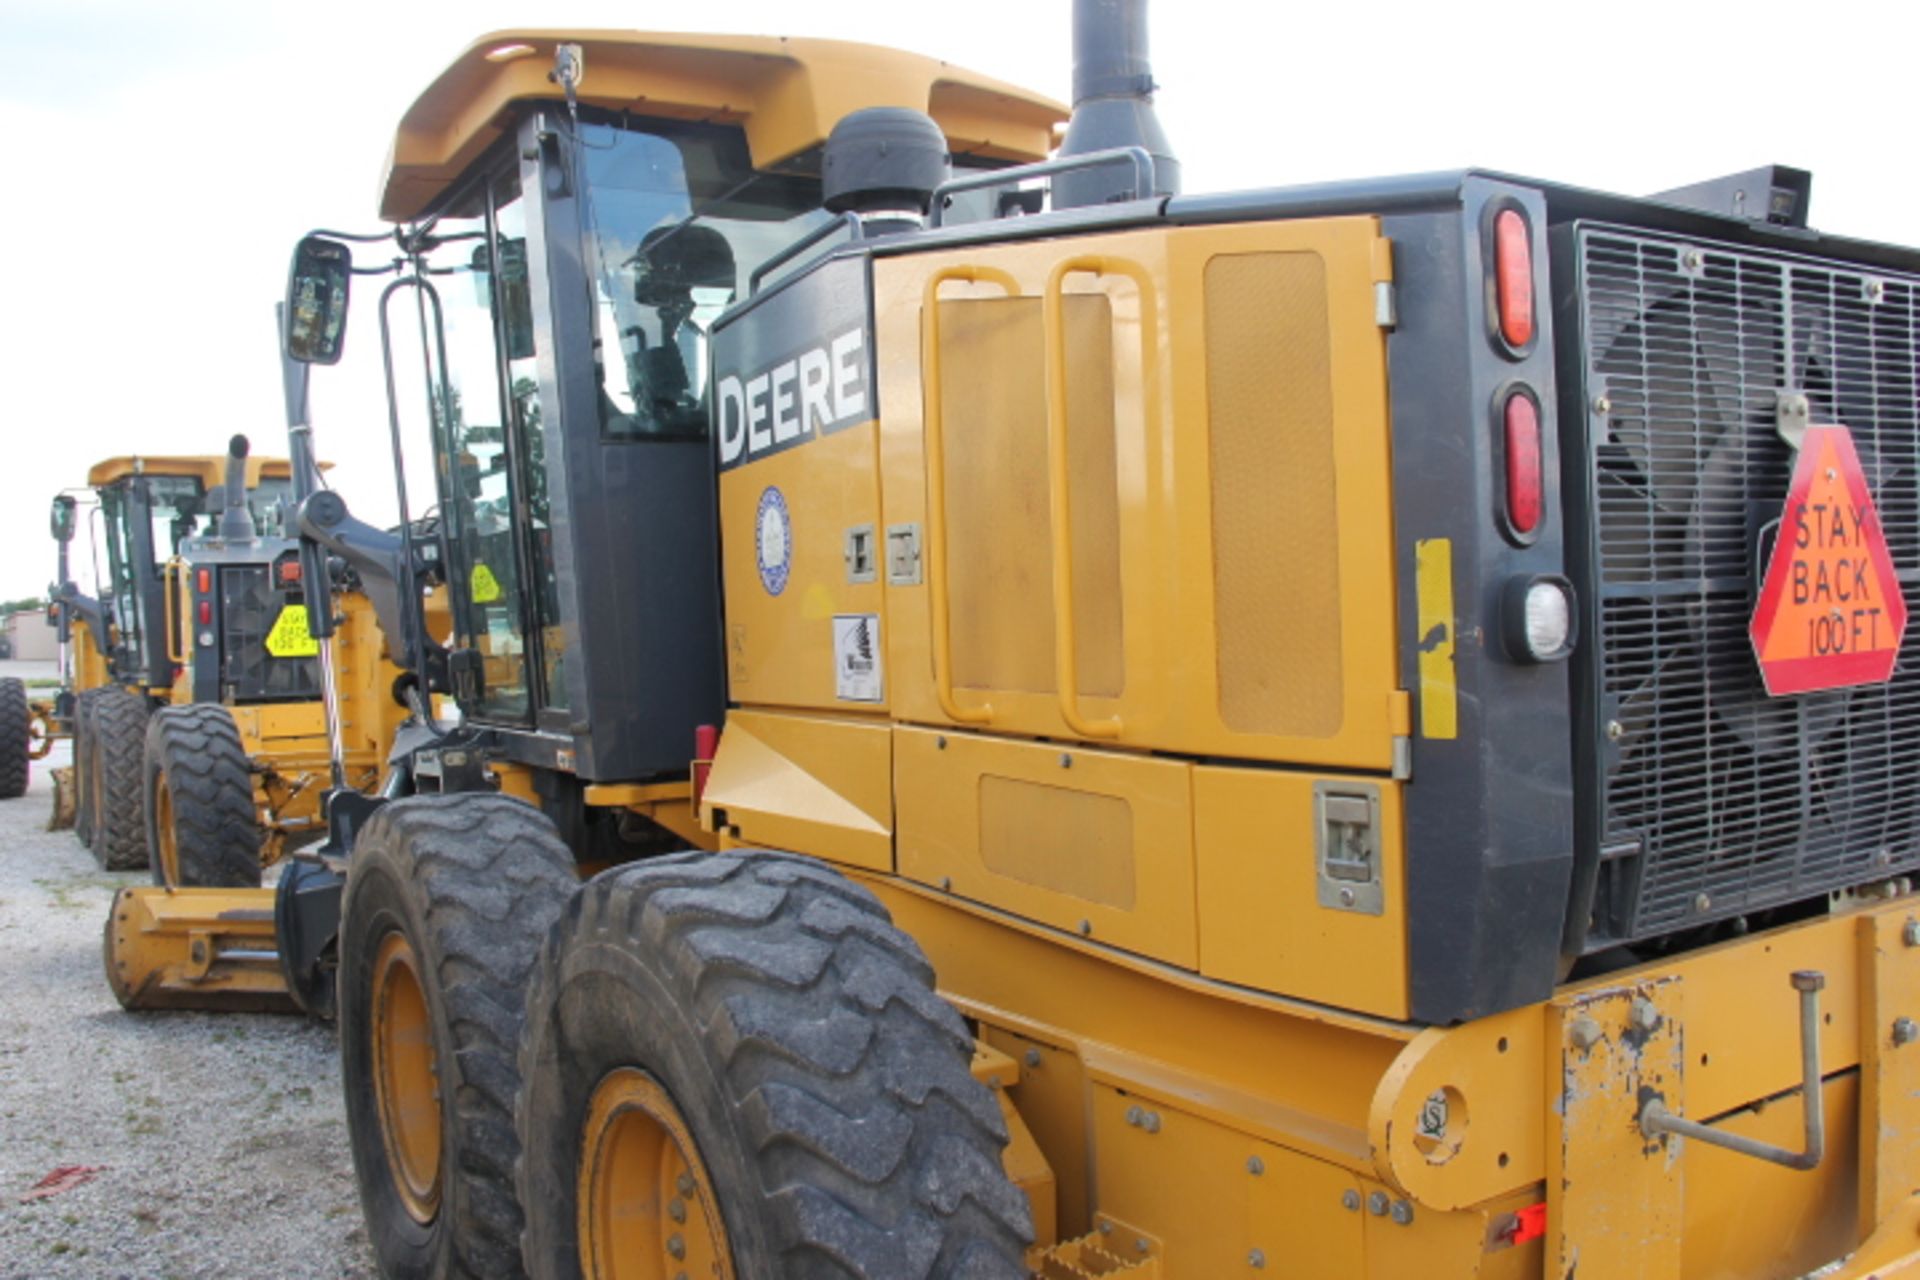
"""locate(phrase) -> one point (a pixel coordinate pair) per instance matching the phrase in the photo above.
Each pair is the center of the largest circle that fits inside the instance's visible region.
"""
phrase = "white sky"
(165, 156)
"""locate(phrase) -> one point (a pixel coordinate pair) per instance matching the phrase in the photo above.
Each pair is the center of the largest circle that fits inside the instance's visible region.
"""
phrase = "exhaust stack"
(236, 522)
(1112, 105)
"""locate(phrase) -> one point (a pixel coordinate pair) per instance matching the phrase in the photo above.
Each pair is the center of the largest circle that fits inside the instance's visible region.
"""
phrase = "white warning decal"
(856, 657)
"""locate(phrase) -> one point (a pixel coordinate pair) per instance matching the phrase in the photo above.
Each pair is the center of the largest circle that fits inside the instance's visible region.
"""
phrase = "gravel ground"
(223, 1136)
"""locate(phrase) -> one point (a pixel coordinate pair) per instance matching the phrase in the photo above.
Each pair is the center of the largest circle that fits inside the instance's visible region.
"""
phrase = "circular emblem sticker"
(773, 541)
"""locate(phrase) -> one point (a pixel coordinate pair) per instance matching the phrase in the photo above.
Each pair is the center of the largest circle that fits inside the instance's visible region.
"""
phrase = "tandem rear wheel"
(735, 1066)
(16, 738)
(111, 758)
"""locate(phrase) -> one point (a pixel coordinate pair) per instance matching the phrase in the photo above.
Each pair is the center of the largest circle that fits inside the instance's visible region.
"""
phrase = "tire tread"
(119, 732)
(16, 732)
(196, 752)
(878, 1153)
(488, 875)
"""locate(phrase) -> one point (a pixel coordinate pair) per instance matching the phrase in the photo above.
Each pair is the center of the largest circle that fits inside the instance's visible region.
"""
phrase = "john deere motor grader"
(1341, 731)
(127, 655)
(236, 750)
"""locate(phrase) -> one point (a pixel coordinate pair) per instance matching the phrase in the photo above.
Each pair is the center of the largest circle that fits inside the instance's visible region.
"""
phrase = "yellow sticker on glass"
(486, 588)
(290, 637)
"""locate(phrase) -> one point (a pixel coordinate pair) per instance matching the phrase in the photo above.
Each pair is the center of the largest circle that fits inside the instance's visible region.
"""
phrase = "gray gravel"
(223, 1135)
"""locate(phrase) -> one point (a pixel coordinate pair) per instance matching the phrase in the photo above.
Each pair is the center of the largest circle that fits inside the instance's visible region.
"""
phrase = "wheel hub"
(647, 1207)
(406, 1078)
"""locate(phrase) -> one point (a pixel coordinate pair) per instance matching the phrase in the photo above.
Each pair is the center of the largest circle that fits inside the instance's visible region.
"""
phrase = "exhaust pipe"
(1112, 105)
(236, 522)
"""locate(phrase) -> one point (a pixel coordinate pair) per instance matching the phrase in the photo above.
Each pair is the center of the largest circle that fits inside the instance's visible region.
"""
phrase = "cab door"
(488, 433)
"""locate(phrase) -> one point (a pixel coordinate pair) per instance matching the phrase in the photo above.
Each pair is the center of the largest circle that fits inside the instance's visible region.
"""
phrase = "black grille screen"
(250, 605)
(1714, 799)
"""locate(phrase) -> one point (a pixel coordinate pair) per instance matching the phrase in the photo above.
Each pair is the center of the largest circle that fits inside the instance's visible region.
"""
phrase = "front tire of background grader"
(16, 735)
(446, 904)
(118, 754)
(198, 800)
(737, 1061)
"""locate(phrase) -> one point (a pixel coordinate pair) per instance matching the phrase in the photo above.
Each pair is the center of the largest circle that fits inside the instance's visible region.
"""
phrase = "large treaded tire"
(196, 755)
(16, 734)
(83, 766)
(118, 757)
(825, 1082)
(473, 882)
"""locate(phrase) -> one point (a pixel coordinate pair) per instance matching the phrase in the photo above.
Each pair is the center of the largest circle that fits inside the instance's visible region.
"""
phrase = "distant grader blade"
(210, 949)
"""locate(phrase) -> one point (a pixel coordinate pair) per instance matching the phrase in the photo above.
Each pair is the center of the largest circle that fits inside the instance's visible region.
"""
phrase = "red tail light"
(706, 741)
(206, 613)
(1513, 277)
(1526, 500)
(290, 572)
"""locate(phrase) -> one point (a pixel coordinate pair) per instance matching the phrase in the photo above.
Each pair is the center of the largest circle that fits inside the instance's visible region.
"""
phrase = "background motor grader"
(1220, 734)
(236, 748)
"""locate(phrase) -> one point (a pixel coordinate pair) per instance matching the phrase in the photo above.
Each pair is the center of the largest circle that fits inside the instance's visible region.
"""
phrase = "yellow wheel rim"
(168, 850)
(406, 1078)
(647, 1208)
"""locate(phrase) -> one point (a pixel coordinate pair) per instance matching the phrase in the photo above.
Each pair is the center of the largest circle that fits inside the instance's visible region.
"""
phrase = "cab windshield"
(677, 222)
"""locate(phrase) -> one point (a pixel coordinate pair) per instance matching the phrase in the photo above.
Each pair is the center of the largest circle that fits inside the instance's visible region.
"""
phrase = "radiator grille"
(1715, 800)
(249, 606)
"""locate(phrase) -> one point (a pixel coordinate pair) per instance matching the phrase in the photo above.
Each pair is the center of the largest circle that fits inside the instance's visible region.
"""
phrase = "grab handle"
(1059, 479)
(179, 609)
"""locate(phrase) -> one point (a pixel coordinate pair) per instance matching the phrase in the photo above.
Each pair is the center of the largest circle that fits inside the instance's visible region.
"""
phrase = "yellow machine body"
(89, 671)
(1096, 807)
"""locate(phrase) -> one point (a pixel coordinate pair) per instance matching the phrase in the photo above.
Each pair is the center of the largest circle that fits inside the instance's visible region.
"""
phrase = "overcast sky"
(166, 156)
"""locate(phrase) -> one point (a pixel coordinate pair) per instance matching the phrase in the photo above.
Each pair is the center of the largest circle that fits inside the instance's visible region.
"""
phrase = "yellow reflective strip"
(1439, 697)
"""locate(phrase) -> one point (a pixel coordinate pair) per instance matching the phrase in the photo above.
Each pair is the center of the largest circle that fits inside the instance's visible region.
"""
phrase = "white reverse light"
(1548, 620)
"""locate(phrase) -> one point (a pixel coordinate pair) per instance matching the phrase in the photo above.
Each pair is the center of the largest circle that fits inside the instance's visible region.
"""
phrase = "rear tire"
(198, 800)
(797, 1037)
(118, 755)
(447, 901)
(16, 738)
(83, 766)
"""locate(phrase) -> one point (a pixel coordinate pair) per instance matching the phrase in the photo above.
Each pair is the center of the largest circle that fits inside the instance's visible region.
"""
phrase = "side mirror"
(316, 314)
(63, 519)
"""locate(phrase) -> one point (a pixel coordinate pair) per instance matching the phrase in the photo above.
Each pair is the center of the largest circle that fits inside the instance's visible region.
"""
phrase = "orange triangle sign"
(1830, 613)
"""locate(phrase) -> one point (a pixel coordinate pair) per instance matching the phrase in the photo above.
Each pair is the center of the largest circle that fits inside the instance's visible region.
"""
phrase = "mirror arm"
(375, 556)
(86, 609)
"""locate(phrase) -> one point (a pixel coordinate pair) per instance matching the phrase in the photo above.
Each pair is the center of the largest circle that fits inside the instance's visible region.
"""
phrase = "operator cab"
(567, 260)
(148, 508)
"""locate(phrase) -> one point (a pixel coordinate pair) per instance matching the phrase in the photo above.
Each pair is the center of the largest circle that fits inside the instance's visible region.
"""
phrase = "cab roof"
(209, 470)
(787, 93)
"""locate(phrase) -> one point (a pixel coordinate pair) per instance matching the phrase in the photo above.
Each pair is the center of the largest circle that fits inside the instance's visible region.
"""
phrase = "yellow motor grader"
(200, 747)
(1356, 730)
(199, 740)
